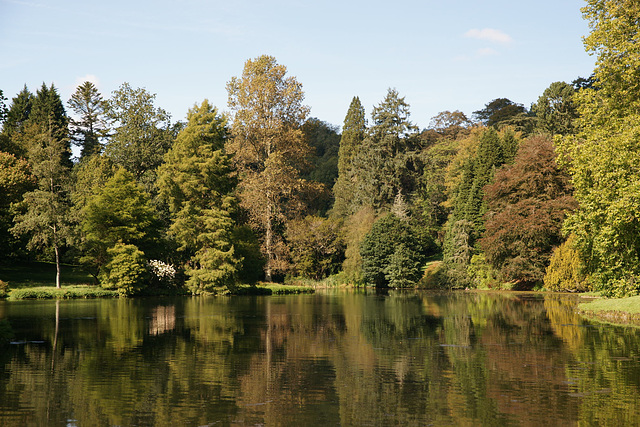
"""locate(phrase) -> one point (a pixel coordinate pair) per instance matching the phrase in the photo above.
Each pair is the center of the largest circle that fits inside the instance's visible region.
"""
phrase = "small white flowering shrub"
(162, 272)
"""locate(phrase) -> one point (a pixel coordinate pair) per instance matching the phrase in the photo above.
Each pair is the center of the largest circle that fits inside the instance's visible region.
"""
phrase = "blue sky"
(440, 55)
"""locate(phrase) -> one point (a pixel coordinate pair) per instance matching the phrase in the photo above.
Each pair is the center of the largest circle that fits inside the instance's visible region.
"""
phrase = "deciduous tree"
(268, 149)
(526, 207)
(141, 132)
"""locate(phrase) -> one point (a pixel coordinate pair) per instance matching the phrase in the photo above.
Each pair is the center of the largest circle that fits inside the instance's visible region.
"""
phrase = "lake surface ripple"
(333, 358)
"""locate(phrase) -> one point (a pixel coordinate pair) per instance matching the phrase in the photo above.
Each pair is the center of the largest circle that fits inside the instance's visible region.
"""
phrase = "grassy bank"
(616, 310)
(65, 292)
(42, 274)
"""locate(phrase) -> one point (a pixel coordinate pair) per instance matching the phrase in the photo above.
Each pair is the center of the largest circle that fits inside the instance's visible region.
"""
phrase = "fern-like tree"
(196, 181)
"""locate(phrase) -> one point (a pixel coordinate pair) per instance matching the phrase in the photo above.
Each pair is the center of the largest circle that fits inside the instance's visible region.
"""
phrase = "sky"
(439, 55)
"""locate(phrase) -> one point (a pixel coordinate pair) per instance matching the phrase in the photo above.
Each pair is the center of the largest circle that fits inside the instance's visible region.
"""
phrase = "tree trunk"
(268, 243)
(57, 251)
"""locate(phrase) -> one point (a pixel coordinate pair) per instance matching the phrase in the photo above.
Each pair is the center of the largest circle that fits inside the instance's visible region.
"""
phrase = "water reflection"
(328, 359)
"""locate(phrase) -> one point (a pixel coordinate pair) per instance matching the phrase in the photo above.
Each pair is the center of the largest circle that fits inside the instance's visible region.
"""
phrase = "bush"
(565, 271)
(126, 271)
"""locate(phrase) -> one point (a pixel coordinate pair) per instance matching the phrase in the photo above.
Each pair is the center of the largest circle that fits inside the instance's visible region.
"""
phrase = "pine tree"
(90, 127)
(386, 162)
(353, 134)
(17, 116)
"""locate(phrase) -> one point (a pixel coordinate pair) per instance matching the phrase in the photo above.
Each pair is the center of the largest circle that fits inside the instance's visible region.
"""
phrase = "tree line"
(512, 197)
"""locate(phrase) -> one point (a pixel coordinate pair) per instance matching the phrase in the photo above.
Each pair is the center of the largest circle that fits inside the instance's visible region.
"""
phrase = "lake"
(332, 358)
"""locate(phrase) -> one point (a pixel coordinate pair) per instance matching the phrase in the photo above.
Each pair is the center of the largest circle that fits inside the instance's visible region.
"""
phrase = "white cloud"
(486, 51)
(88, 78)
(489, 34)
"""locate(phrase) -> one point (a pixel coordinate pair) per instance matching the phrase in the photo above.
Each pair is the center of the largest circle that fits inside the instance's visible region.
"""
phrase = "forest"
(513, 197)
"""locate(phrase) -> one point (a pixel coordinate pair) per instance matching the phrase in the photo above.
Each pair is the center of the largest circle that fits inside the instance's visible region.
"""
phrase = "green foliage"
(603, 158)
(480, 273)
(121, 212)
(555, 110)
(3, 108)
(90, 127)
(16, 118)
(503, 112)
(391, 254)
(353, 134)
(44, 213)
(324, 140)
(388, 160)
(269, 150)
(247, 248)
(487, 150)
(316, 248)
(15, 180)
(566, 271)
(126, 270)
(141, 134)
(195, 181)
(355, 228)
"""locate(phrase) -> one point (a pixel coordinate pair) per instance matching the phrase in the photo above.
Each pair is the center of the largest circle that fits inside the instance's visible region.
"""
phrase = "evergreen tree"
(391, 254)
(386, 163)
(353, 134)
(16, 118)
(90, 127)
(3, 108)
(487, 150)
(555, 110)
(195, 180)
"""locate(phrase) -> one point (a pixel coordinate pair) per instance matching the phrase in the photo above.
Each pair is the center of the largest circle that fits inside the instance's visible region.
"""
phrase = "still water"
(332, 358)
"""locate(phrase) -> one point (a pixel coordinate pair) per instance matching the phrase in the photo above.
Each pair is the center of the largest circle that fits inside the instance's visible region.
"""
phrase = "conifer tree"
(90, 127)
(17, 116)
(120, 213)
(353, 134)
(385, 163)
(195, 180)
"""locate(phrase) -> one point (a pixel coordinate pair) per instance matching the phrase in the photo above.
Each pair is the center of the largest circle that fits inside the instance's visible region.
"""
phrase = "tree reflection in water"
(337, 358)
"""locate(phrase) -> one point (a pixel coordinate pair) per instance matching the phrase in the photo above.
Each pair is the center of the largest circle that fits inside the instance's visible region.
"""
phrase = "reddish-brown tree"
(527, 204)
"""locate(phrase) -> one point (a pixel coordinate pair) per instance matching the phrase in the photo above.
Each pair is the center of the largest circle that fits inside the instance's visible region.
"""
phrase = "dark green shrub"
(391, 254)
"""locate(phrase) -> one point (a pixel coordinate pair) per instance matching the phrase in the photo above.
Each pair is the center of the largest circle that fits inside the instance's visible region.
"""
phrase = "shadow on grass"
(38, 274)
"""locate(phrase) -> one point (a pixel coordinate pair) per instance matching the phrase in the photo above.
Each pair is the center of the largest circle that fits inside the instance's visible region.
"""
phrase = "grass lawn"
(41, 274)
(629, 305)
(37, 280)
(616, 310)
